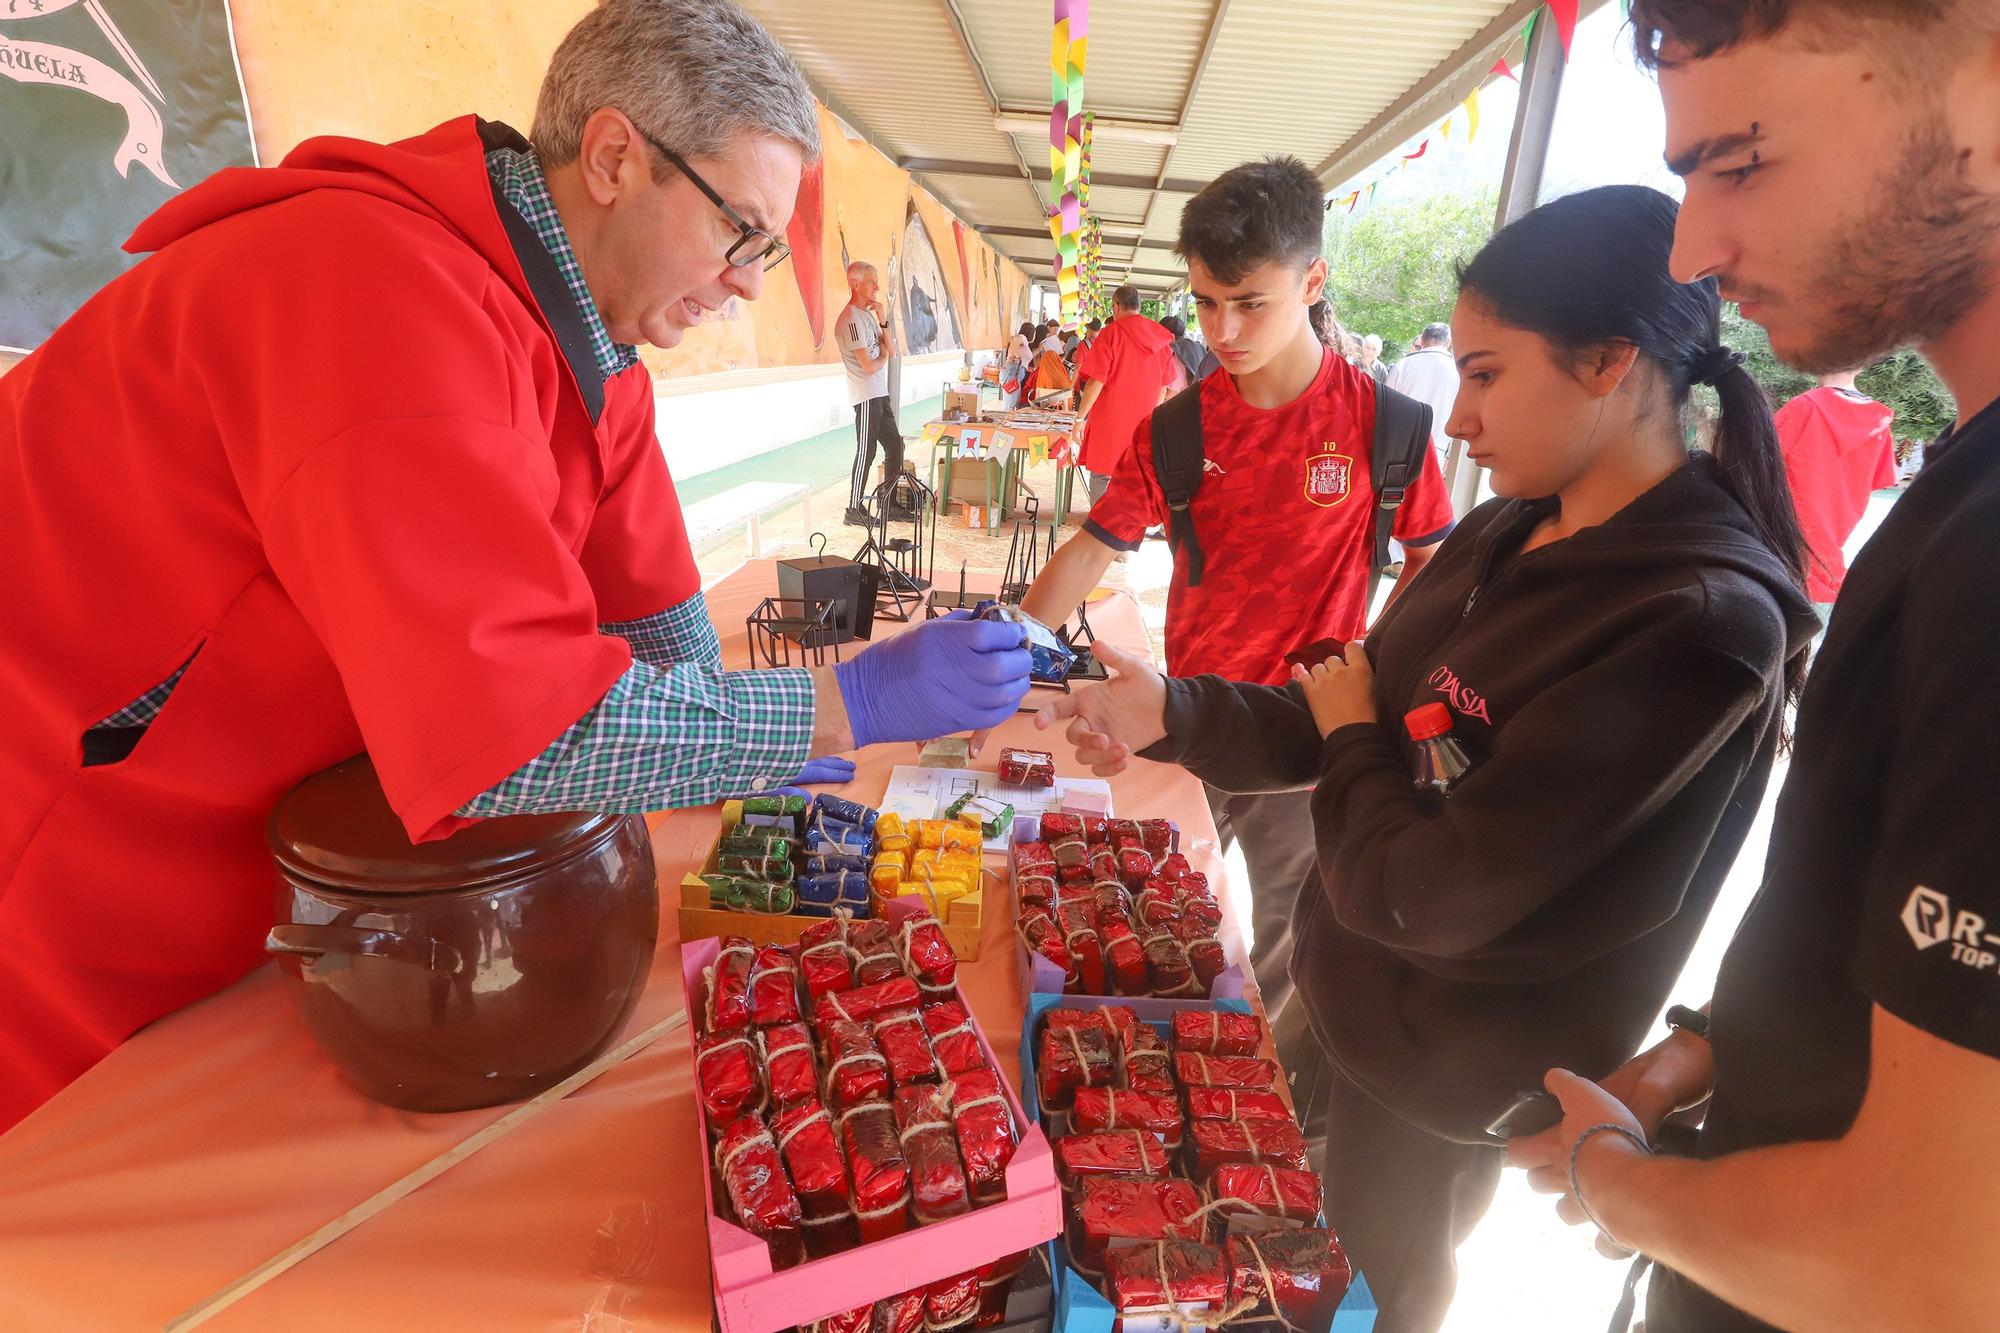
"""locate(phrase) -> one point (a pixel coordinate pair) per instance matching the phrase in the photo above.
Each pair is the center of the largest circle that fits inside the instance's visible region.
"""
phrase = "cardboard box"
(962, 400)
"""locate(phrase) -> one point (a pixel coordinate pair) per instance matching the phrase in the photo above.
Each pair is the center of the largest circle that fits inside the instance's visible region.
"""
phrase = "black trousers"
(1402, 1201)
(874, 424)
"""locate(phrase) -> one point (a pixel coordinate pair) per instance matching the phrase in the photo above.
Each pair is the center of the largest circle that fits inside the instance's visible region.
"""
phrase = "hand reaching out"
(1340, 693)
(1111, 721)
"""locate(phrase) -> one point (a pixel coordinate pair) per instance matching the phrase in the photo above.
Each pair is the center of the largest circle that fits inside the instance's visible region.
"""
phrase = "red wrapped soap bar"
(872, 945)
(937, 1178)
(759, 1192)
(819, 1175)
(1160, 835)
(1043, 936)
(1236, 1104)
(1057, 825)
(1218, 1143)
(1184, 1276)
(1257, 1198)
(1149, 1065)
(1079, 926)
(856, 1069)
(1196, 1070)
(1214, 1032)
(1168, 971)
(1306, 1267)
(952, 1303)
(901, 1313)
(995, 1280)
(1035, 889)
(899, 992)
(905, 1045)
(953, 1042)
(1124, 959)
(1135, 865)
(1033, 855)
(1071, 1058)
(1173, 868)
(1200, 919)
(879, 1171)
(774, 986)
(823, 957)
(1208, 961)
(1125, 1152)
(984, 1125)
(726, 1077)
(1122, 1208)
(861, 1319)
(1194, 884)
(1111, 1108)
(729, 985)
(1027, 768)
(789, 1067)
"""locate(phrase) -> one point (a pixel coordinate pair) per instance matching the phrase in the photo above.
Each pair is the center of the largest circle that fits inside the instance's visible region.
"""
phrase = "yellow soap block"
(961, 836)
(937, 894)
(889, 824)
(898, 843)
(886, 877)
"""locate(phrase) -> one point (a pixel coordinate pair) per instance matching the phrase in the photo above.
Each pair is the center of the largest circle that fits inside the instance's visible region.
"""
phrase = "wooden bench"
(713, 521)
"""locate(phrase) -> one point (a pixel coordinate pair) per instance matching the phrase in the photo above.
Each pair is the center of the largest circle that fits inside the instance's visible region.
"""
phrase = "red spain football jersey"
(1285, 515)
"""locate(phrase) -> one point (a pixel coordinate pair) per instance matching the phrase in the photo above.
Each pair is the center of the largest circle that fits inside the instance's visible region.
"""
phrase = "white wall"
(710, 421)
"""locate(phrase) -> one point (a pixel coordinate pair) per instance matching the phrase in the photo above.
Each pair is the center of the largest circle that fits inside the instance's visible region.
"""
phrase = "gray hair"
(692, 73)
(857, 270)
(1373, 342)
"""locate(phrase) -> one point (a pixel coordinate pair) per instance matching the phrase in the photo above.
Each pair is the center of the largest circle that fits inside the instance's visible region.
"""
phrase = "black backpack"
(1402, 434)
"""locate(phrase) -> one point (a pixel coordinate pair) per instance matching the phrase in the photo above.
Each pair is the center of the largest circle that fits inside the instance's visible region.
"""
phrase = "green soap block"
(774, 805)
(777, 869)
(744, 893)
(756, 844)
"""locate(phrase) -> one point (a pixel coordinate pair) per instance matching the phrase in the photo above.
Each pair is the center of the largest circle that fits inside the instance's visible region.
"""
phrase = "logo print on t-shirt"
(1329, 477)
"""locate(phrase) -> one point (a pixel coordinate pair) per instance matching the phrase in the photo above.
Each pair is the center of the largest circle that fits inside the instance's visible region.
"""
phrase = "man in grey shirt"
(865, 348)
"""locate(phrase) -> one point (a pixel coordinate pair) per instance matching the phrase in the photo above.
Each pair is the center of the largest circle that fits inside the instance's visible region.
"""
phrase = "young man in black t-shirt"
(1842, 160)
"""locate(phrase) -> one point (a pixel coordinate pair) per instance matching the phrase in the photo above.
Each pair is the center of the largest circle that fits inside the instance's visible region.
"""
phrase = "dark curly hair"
(1253, 214)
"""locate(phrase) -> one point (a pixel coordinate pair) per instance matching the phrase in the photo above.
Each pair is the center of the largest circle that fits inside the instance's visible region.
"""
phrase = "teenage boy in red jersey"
(1284, 513)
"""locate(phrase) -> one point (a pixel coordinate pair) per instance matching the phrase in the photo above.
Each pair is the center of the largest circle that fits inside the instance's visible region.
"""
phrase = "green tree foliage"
(1904, 381)
(1393, 268)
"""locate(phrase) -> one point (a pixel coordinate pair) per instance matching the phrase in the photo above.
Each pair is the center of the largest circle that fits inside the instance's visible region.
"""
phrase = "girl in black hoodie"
(1615, 638)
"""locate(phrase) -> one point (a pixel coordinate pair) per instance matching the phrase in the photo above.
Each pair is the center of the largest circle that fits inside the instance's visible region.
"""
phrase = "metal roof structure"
(957, 93)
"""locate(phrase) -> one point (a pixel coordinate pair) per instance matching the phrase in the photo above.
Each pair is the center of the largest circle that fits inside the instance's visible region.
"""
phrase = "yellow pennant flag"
(1472, 115)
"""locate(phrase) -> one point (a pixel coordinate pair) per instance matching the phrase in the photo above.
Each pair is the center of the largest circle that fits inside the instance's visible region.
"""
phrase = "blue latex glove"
(934, 679)
(828, 771)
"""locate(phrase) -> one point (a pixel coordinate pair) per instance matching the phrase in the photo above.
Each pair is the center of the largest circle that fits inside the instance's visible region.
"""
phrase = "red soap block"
(726, 1077)
(819, 1175)
(1135, 867)
(1194, 884)
(1124, 1208)
(774, 986)
(1159, 911)
(789, 1068)
(729, 986)
(1149, 1065)
(926, 954)
(1034, 889)
(1103, 865)
(954, 1043)
(1258, 1198)
(880, 1173)
(856, 1069)
(1027, 768)
(1218, 1143)
(984, 1125)
(1196, 1070)
(759, 1192)
(1218, 1032)
(901, 1313)
(1173, 867)
(873, 947)
(1125, 960)
(1057, 825)
(1208, 961)
(1306, 1266)
(1169, 971)
(823, 959)
(1099, 1109)
(905, 1045)
(861, 1319)
(1184, 1276)
(1071, 1058)
(863, 1002)
(1236, 1104)
(996, 1279)
(953, 1302)
(1032, 855)
(1096, 828)
(1130, 1152)
(1200, 919)
(1160, 836)
(1079, 927)
(1110, 901)
(938, 1187)
(1070, 853)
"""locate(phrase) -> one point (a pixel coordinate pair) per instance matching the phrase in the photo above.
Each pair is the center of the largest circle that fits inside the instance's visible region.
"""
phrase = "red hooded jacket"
(1838, 451)
(1134, 359)
(341, 444)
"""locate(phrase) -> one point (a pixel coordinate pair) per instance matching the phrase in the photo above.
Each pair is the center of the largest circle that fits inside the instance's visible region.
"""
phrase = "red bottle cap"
(1428, 722)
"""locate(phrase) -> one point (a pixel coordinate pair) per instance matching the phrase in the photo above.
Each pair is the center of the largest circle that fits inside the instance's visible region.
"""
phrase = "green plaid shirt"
(675, 729)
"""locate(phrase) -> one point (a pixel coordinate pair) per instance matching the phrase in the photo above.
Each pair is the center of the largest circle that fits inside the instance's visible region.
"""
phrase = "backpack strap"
(1177, 462)
(1402, 434)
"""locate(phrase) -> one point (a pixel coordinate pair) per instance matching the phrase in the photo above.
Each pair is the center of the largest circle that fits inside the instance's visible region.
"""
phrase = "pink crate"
(750, 1297)
(1041, 977)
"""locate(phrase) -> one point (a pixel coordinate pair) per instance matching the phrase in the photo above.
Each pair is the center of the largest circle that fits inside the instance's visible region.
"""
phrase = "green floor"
(819, 461)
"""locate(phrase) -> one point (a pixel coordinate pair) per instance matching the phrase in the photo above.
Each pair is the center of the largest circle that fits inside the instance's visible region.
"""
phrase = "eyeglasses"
(752, 243)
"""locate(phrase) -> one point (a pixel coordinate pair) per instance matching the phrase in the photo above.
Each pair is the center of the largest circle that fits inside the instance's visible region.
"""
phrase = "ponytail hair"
(1593, 268)
(1327, 327)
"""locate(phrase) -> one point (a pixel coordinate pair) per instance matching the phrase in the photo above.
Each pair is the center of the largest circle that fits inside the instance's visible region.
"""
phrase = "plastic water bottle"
(1436, 761)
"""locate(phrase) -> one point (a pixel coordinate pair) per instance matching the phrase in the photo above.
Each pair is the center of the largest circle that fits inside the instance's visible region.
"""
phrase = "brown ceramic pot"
(465, 972)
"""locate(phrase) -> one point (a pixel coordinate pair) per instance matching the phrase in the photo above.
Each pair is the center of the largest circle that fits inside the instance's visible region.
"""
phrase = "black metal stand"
(780, 623)
(1024, 558)
(907, 563)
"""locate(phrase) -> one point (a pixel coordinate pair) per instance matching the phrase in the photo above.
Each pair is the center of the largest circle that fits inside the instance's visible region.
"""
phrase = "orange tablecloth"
(219, 1136)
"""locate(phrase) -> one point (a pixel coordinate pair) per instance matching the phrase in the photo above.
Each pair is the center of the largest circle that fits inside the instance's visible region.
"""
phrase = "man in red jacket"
(1838, 451)
(1126, 370)
(362, 458)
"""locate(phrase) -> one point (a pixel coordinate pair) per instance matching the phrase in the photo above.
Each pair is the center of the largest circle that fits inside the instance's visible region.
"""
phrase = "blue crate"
(1080, 1306)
